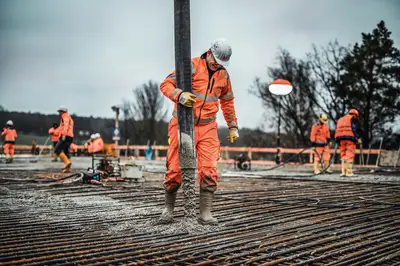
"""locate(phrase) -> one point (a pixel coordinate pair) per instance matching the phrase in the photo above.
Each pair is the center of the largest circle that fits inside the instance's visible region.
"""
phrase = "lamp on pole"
(116, 135)
(279, 87)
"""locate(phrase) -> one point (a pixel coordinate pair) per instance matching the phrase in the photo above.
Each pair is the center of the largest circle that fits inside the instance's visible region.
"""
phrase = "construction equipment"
(243, 162)
(108, 166)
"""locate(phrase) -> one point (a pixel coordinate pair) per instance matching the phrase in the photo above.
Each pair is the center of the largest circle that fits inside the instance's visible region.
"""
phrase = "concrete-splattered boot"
(167, 215)
(349, 169)
(67, 163)
(316, 167)
(344, 165)
(205, 217)
(326, 166)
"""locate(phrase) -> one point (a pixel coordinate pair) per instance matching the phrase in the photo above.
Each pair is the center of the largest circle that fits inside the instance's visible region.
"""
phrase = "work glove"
(187, 99)
(233, 135)
(359, 141)
(63, 138)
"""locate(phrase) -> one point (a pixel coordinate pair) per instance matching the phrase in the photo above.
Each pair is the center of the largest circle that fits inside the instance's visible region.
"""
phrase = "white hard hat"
(97, 135)
(9, 123)
(93, 136)
(62, 109)
(222, 51)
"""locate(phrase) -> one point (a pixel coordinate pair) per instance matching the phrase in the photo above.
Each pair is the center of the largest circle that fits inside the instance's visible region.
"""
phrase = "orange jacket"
(66, 125)
(346, 128)
(209, 93)
(97, 145)
(320, 134)
(10, 135)
(55, 134)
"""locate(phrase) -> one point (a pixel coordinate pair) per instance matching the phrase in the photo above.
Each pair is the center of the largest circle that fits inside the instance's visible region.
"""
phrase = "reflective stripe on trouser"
(8, 149)
(347, 149)
(207, 149)
(323, 152)
(197, 120)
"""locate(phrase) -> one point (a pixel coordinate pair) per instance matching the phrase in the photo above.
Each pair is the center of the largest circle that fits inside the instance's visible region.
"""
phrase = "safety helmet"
(93, 136)
(222, 51)
(9, 123)
(97, 135)
(62, 109)
(323, 118)
(353, 112)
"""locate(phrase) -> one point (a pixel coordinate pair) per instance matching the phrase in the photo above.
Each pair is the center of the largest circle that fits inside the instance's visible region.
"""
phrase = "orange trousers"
(323, 152)
(207, 147)
(8, 149)
(347, 149)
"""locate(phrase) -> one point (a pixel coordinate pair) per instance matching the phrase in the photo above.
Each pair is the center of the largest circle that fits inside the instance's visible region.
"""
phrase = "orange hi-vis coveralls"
(97, 145)
(211, 89)
(10, 135)
(320, 137)
(55, 134)
(346, 133)
(67, 130)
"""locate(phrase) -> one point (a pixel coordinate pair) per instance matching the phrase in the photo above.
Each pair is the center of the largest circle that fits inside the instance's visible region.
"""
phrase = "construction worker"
(54, 132)
(10, 135)
(347, 136)
(211, 87)
(98, 144)
(66, 138)
(320, 139)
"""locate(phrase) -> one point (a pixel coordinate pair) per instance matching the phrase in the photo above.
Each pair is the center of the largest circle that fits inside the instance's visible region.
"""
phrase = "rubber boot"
(344, 167)
(67, 162)
(54, 158)
(328, 170)
(205, 217)
(167, 215)
(316, 167)
(8, 159)
(349, 169)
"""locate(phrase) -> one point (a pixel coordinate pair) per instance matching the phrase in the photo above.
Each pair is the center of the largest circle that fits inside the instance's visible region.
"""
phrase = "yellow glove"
(359, 141)
(187, 99)
(233, 135)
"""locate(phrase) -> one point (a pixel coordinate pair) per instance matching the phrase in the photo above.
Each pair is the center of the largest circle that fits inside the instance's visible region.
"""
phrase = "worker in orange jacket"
(98, 144)
(10, 135)
(347, 136)
(66, 138)
(320, 138)
(211, 86)
(54, 132)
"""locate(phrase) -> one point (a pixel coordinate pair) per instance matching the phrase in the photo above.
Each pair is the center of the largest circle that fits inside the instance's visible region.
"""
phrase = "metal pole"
(185, 115)
(126, 151)
(117, 127)
(278, 137)
(369, 151)
(379, 154)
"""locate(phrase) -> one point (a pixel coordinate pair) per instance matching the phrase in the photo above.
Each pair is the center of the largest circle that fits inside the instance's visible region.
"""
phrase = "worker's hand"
(187, 99)
(233, 135)
(359, 141)
(63, 138)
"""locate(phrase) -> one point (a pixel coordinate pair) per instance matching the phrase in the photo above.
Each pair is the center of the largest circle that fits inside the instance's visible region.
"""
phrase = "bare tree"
(297, 110)
(325, 63)
(145, 112)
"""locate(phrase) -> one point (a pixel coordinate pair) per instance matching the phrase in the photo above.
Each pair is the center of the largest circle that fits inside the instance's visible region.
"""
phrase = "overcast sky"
(88, 55)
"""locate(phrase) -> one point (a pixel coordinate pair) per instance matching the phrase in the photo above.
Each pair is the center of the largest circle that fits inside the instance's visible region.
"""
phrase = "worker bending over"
(10, 135)
(66, 138)
(347, 136)
(54, 132)
(320, 138)
(98, 144)
(211, 87)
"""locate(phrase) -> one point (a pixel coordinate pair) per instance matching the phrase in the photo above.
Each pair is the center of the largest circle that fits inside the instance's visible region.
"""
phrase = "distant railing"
(227, 153)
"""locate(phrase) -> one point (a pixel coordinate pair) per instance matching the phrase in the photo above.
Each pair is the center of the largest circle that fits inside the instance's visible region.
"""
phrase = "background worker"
(98, 144)
(66, 138)
(10, 135)
(347, 136)
(54, 132)
(320, 138)
(211, 87)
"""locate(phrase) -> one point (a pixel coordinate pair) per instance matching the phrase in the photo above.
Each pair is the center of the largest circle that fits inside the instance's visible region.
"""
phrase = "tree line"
(334, 78)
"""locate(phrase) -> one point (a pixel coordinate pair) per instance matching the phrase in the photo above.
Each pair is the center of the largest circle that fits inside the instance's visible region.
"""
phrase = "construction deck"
(262, 221)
